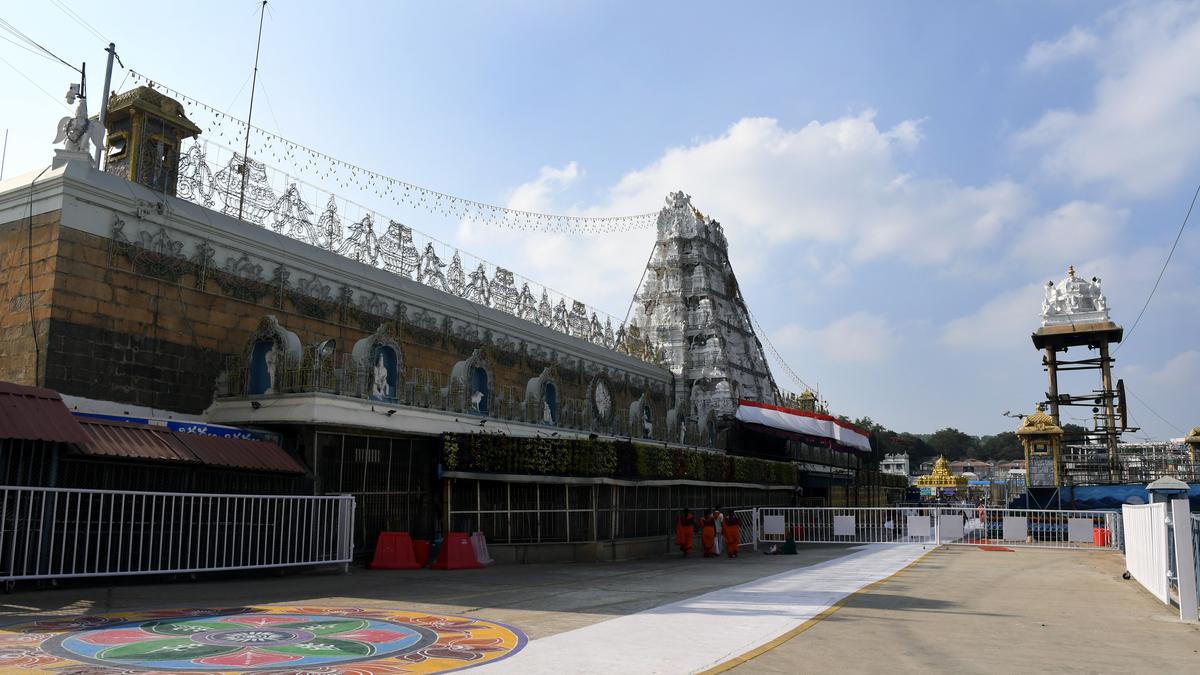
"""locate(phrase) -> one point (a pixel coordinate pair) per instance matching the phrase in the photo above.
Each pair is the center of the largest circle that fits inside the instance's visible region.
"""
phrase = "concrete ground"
(964, 610)
(540, 599)
(958, 609)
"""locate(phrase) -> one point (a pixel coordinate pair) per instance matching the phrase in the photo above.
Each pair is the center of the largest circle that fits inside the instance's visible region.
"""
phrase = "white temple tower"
(691, 309)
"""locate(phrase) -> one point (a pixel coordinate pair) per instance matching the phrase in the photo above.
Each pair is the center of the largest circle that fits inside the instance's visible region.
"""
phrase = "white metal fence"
(55, 533)
(969, 525)
(1146, 557)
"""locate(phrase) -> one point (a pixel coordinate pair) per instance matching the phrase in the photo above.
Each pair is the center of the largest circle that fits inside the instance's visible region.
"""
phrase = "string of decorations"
(216, 183)
(402, 192)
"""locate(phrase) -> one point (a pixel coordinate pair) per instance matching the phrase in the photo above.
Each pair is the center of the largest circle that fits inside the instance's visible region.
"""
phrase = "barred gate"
(963, 525)
(50, 533)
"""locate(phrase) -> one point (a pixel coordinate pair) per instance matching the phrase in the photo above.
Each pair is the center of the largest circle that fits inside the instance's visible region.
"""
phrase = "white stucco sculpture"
(74, 132)
(1074, 300)
(379, 379)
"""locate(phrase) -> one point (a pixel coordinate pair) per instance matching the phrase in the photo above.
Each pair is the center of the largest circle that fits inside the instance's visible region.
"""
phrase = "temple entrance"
(391, 479)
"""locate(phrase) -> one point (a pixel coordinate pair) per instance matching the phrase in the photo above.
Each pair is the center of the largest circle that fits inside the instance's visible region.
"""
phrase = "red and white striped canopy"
(806, 423)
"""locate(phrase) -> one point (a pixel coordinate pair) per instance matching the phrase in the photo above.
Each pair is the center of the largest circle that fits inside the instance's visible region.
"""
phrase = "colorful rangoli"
(263, 639)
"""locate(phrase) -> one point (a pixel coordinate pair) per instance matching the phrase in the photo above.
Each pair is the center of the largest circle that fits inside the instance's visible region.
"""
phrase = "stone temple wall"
(690, 307)
(144, 299)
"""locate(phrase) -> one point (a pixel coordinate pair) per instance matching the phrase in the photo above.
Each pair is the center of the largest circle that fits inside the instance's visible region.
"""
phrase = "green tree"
(952, 443)
(1003, 446)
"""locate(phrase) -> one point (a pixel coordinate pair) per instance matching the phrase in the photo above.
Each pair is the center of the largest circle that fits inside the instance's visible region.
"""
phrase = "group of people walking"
(719, 533)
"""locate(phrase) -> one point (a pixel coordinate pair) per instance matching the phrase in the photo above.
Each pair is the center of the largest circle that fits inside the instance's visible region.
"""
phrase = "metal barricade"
(964, 524)
(1037, 528)
(846, 525)
(48, 533)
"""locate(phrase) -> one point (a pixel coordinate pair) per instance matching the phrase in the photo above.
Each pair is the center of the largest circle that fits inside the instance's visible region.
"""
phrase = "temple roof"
(152, 101)
(941, 476)
(1039, 423)
(1194, 437)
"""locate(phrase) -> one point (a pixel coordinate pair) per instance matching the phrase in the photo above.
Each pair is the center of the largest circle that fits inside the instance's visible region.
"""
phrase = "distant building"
(895, 464)
(982, 468)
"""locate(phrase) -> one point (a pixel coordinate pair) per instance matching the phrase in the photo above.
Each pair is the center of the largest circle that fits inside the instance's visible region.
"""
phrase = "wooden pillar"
(1052, 370)
(1110, 416)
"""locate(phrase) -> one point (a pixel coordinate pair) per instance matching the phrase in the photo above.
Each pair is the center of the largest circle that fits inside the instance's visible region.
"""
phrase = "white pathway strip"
(698, 633)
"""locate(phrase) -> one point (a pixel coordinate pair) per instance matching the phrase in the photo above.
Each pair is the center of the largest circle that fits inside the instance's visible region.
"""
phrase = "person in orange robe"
(708, 536)
(685, 531)
(732, 532)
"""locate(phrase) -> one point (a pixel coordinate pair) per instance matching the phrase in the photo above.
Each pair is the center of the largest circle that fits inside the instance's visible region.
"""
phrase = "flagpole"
(262, 12)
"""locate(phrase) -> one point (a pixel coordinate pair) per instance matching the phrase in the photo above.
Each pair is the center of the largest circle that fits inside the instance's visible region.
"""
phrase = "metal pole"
(250, 116)
(112, 52)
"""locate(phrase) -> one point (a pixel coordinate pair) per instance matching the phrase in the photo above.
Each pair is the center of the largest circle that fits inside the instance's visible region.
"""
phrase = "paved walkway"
(699, 633)
(964, 610)
(956, 609)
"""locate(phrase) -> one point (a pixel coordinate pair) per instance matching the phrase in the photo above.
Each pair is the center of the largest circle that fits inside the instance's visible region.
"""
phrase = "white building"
(897, 464)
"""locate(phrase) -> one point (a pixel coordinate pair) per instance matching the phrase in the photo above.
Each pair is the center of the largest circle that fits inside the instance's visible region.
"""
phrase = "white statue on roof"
(74, 132)
(1074, 300)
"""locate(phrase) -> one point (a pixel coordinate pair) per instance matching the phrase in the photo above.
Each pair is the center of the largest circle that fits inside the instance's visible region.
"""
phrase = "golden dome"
(1039, 423)
(941, 476)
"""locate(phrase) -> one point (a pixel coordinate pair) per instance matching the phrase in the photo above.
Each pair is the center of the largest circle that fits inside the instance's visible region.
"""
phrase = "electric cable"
(1161, 271)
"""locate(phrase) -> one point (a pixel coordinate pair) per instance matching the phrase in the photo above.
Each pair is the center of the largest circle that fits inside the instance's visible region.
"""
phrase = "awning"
(155, 443)
(240, 453)
(36, 414)
(804, 423)
(135, 441)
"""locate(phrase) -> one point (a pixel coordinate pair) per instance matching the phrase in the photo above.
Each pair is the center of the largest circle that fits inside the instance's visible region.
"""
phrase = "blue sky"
(897, 180)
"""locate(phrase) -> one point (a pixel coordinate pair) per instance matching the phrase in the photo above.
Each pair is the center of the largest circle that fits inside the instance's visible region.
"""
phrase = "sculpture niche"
(541, 399)
(470, 385)
(379, 359)
(270, 350)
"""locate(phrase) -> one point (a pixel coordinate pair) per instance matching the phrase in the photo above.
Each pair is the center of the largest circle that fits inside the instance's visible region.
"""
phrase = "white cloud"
(859, 338)
(834, 185)
(834, 182)
(1077, 42)
(1004, 322)
(1178, 375)
(1142, 132)
(537, 194)
(1086, 229)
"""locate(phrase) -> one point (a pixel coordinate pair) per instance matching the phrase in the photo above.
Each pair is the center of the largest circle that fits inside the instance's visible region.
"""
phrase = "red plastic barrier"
(457, 553)
(421, 551)
(1101, 536)
(394, 551)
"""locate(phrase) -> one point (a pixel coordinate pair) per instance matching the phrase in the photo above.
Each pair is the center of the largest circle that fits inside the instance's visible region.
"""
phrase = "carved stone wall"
(135, 318)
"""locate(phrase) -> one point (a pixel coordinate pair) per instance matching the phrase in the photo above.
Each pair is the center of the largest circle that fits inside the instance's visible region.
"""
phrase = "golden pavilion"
(941, 478)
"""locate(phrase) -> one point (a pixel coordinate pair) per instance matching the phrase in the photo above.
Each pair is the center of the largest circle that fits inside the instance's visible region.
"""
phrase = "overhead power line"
(16, 32)
(74, 16)
(1155, 413)
(1161, 271)
(57, 99)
